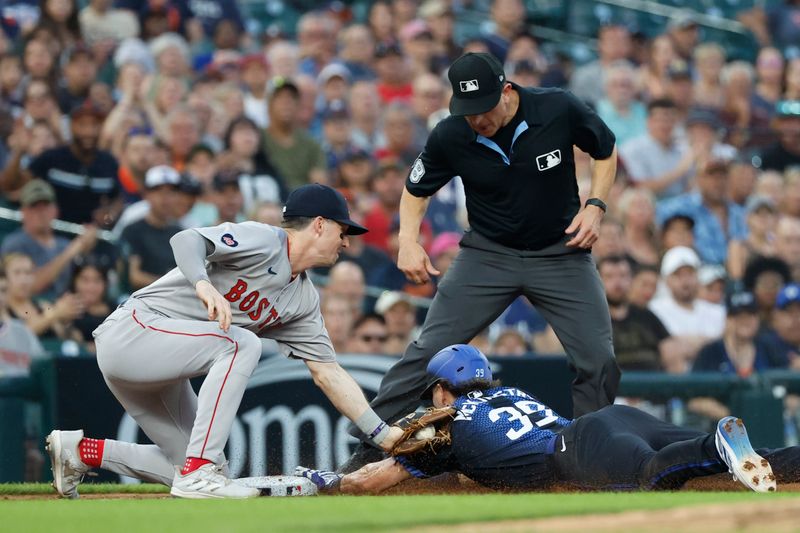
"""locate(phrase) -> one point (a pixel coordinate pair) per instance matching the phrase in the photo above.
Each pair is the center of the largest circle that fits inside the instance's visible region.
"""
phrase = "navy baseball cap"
(741, 302)
(477, 80)
(457, 364)
(317, 200)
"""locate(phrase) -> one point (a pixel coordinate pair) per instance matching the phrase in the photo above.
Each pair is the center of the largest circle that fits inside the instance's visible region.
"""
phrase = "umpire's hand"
(415, 263)
(587, 225)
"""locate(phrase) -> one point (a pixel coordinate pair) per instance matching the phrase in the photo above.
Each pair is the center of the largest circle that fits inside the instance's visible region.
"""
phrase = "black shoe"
(364, 455)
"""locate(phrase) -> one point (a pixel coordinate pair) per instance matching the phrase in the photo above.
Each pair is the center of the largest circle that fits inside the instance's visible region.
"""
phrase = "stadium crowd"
(137, 118)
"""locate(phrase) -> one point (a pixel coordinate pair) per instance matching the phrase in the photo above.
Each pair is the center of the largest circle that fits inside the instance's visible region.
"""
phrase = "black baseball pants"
(485, 277)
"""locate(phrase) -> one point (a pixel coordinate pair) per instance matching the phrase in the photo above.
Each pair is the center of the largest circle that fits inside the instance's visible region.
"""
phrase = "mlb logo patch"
(469, 86)
(228, 240)
(548, 160)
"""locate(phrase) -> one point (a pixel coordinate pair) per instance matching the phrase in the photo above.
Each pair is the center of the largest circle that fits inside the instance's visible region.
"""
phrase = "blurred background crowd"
(130, 120)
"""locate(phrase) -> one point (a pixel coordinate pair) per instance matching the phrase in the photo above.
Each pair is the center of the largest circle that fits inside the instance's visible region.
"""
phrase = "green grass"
(86, 488)
(337, 513)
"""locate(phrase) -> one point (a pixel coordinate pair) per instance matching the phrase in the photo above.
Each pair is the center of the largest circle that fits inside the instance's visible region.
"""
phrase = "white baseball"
(425, 433)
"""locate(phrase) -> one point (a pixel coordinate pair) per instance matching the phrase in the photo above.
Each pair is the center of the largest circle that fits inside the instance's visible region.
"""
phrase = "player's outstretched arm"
(374, 477)
(345, 394)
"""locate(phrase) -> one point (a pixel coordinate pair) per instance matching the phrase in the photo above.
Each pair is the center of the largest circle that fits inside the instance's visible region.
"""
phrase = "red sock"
(91, 451)
(192, 464)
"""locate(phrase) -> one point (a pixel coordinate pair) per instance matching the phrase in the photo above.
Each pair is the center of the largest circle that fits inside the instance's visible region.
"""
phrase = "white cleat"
(208, 481)
(65, 461)
(747, 467)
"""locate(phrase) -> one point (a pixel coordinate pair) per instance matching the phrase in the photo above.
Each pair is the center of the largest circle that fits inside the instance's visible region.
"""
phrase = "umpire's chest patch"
(548, 160)
(417, 171)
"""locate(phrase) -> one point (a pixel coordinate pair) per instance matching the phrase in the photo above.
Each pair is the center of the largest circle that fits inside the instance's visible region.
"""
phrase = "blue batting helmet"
(457, 364)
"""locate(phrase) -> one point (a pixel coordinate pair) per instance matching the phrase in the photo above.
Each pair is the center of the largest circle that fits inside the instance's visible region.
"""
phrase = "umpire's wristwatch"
(597, 202)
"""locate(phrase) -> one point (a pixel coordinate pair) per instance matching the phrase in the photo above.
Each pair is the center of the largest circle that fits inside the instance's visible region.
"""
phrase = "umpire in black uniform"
(512, 147)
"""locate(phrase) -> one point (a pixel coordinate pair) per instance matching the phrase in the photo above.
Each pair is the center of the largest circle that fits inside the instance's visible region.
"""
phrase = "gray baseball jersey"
(249, 266)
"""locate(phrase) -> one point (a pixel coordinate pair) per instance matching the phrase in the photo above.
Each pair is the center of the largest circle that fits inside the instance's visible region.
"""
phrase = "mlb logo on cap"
(469, 86)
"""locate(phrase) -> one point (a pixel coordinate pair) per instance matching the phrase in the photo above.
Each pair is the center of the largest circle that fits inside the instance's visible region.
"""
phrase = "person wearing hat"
(717, 220)
(145, 243)
(692, 321)
(401, 320)
(83, 176)
(512, 147)
(704, 130)
(335, 132)
(228, 196)
(762, 221)
(785, 330)
(785, 152)
(80, 71)
(394, 74)
(234, 284)
(297, 157)
(255, 75)
(683, 31)
(52, 254)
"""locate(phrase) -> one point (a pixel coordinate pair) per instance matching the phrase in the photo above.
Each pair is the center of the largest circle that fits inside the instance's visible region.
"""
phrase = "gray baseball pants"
(485, 277)
(147, 360)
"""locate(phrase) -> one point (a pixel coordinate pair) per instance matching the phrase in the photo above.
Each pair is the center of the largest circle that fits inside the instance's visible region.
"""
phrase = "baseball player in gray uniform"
(233, 284)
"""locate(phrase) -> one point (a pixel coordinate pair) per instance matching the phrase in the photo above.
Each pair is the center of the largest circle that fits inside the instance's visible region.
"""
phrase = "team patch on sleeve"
(417, 171)
(228, 240)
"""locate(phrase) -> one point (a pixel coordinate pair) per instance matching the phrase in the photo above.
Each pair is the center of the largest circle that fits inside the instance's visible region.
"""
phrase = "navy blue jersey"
(501, 437)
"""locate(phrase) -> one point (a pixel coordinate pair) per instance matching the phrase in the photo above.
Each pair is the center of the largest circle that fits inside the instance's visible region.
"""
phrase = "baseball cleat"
(65, 462)
(207, 482)
(747, 467)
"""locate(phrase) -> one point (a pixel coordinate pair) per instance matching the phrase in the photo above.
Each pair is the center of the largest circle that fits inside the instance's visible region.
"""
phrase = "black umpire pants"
(485, 277)
(623, 448)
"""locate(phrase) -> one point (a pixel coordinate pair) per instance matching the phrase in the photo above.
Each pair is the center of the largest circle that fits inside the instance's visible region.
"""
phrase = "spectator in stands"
(369, 335)
(316, 36)
(776, 25)
(335, 132)
(41, 317)
(364, 105)
(703, 128)
(338, 316)
(296, 156)
(509, 343)
(613, 47)
(172, 55)
(655, 161)
(255, 75)
(62, 17)
(416, 40)
(25, 144)
(394, 74)
(444, 249)
(89, 283)
(747, 124)
(440, 19)
(83, 176)
(267, 213)
(683, 31)
(333, 83)
(356, 47)
(51, 254)
(786, 324)
(643, 285)
(787, 244)
(712, 279)
(346, 280)
(355, 176)
(10, 79)
(228, 197)
(770, 184)
(790, 206)
(381, 22)
(677, 230)
(145, 243)
(792, 80)
(428, 97)
(653, 76)
(611, 239)
(372, 260)
(762, 219)
(785, 152)
(679, 90)
(39, 62)
(398, 133)
(183, 132)
(619, 109)
(39, 104)
(764, 277)
(135, 161)
(742, 177)
(691, 321)
(709, 58)
(716, 219)
(641, 342)
(101, 23)
(637, 209)
(388, 186)
(508, 18)
(259, 181)
(79, 73)
(400, 316)
(769, 79)
(283, 58)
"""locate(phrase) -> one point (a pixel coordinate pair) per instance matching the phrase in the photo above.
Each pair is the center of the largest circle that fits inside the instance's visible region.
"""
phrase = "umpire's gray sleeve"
(190, 250)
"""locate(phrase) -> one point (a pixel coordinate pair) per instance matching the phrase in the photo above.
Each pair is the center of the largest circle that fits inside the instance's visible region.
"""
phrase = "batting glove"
(323, 479)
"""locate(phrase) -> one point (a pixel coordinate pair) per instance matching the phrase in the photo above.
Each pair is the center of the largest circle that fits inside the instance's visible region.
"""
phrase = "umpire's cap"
(317, 200)
(457, 364)
(477, 81)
